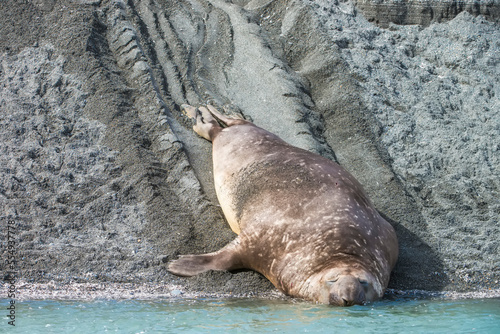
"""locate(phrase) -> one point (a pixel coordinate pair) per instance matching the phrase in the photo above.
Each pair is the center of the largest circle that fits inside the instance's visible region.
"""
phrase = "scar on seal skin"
(302, 220)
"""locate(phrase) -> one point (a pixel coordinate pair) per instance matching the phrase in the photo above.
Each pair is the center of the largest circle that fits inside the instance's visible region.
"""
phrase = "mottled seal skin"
(302, 220)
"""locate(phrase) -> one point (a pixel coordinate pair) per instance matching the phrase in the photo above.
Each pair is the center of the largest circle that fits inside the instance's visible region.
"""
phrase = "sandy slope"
(106, 182)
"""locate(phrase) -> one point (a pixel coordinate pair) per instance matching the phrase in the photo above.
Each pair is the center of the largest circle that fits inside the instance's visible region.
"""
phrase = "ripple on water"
(255, 316)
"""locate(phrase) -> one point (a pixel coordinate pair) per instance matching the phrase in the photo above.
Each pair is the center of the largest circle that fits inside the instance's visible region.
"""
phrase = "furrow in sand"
(152, 110)
(271, 86)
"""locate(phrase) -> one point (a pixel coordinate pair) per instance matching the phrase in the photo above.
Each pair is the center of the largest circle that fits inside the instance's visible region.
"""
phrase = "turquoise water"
(254, 316)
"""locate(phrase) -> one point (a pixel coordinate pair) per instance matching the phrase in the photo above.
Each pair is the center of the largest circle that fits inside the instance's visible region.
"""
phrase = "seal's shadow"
(419, 266)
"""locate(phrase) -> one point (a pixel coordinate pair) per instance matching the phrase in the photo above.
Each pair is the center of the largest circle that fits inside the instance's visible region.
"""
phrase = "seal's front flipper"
(228, 258)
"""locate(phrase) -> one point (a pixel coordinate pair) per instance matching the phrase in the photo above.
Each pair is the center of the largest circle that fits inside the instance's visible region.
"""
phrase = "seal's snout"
(347, 291)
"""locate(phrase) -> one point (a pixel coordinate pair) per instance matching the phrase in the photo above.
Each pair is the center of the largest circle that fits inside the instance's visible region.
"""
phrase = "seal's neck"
(300, 283)
(308, 289)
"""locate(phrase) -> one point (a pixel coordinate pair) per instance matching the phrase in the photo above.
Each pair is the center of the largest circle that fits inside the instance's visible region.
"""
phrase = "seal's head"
(348, 286)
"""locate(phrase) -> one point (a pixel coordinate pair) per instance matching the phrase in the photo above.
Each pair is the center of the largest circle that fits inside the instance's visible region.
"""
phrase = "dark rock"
(425, 12)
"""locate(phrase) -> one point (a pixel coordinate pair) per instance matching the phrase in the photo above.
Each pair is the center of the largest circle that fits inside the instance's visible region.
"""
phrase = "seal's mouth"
(348, 302)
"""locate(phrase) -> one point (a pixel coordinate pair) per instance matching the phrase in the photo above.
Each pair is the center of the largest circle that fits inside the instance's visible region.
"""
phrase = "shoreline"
(156, 291)
(118, 291)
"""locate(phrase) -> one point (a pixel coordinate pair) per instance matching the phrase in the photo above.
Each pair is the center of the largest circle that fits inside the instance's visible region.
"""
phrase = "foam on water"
(254, 316)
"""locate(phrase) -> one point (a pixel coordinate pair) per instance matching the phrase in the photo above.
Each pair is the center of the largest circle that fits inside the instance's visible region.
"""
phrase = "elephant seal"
(302, 220)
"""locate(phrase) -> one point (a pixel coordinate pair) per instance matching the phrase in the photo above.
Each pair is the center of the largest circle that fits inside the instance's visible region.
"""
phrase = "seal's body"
(303, 221)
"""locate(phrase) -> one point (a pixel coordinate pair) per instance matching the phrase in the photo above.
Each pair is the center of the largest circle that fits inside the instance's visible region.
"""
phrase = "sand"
(105, 182)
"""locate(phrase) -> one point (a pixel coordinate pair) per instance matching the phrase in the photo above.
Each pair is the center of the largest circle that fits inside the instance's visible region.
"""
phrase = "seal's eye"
(333, 280)
(363, 282)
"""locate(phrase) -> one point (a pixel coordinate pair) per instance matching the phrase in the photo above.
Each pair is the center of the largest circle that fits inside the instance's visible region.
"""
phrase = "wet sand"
(153, 291)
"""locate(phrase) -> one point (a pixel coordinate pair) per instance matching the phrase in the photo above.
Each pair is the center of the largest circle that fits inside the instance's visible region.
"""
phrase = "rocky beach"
(103, 181)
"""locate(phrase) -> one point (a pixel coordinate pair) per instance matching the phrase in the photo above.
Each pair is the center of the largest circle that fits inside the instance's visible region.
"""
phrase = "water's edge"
(150, 291)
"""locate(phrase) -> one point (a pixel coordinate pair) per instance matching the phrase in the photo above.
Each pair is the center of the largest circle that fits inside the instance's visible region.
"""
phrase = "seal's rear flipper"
(189, 111)
(227, 120)
(205, 124)
(228, 258)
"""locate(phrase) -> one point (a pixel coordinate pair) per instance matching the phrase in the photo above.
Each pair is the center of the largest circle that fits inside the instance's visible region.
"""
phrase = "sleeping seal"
(302, 220)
